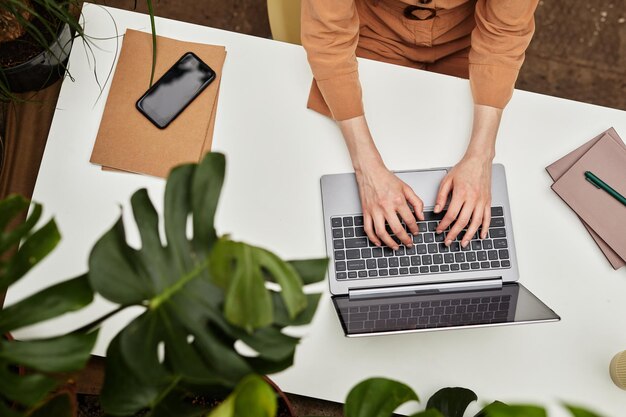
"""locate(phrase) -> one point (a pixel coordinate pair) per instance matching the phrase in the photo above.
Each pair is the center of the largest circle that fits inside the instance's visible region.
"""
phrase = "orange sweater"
(499, 35)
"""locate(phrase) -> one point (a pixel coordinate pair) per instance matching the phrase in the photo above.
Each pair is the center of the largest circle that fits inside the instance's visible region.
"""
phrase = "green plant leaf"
(61, 405)
(483, 412)
(451, 402)
(252, 397)
(431, 412)
(377, 397)
(498, 409)
(201, 296)
(28, 389)
(13, 237)
(10, 207)
(59, 299)
(7, 411)
(60, 354)
(579, 411)
(310, 270)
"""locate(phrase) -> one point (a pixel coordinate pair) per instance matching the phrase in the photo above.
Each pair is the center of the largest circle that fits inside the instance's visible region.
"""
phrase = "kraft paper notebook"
(603, 213)
(560, 167)
(126, 140)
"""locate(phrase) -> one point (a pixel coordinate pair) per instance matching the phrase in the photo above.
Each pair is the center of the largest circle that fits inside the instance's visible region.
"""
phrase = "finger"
(442, 195)
(460, 223)
(381, 231)
(453, 211)
(397, 229)
(368, 225)
(477, 218)
(486, 221)
(409, 219)
(415, 202)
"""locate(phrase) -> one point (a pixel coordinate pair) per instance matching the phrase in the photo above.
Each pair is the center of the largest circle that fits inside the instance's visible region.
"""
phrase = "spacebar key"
(359, 242)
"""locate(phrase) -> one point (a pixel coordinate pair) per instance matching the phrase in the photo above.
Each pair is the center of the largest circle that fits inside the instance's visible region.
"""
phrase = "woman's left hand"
(470, 206)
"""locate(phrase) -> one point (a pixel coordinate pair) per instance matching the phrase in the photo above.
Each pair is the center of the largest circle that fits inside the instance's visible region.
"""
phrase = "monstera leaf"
(30, 394)
(214, 308)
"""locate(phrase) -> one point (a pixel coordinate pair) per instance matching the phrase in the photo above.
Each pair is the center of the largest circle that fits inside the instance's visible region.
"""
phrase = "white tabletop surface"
(276, 152)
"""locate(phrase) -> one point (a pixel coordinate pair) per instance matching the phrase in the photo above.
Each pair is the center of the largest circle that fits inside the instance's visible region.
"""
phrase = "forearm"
(482, 143)
(360, 144)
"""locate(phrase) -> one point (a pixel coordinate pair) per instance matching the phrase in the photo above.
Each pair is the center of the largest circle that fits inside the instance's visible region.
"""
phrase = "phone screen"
(169, 96)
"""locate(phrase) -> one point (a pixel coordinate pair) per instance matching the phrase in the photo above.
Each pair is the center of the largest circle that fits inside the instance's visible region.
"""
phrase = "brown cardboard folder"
(560, 167)
(606, 158)
(128, 141)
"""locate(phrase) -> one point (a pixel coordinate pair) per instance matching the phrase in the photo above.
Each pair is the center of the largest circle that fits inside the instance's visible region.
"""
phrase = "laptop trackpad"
(424, 183)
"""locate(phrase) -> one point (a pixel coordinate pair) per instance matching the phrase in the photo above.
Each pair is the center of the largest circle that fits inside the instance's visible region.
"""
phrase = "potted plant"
(35, 41)
(213, 320)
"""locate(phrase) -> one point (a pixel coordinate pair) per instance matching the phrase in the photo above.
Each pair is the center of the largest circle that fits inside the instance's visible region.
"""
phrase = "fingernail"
(438, 232)
(437, 208)
(464, 243)
(448, 242)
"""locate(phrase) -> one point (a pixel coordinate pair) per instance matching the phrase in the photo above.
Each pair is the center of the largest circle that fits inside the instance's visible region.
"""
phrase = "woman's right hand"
(383, 195)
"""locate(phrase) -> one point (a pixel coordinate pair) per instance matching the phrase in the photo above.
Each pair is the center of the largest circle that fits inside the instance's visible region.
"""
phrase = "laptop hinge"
(432, 288)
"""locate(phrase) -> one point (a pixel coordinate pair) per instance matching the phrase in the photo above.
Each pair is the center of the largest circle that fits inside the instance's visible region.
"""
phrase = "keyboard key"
(422, 226)
(500, 243)
(347, 221)
(440, 237)
(340, 266)
(387, 251)
(383, 272)
(482, 256)
(495, 264)
(484, 264)
(423, 269)
(411, 250)
(415, 261)
(455, 246)
(492, 255)
(476, 245)
(394, 262)
(432, 248)
(353, 254)
(340, 255)
(497, 232)
(371, 263)
(348, 232)
(366, 253)
(503, 254)
(359, 232)
(459, 257)
(475, 265)
(400, 251)
(443, 248)
(404, 271)
(444, 268)
(505, 264)
(497, 212)
(354, 265)
(466, 248)
(434, 268)
(465, 266)
(432, 226)
(338, 244)
(377, 252)
(414, 270)
(448, 258)
(382, 263)
(393, 271)
(335, 222)
(429, 237)
(497, 222)
(404, 261)
(431, 215)
(418, 238)
(470, 256)
(352, 274)
(337, 233)
(427, 260)
(342, 275)
(362, 274)
(487, 244)
(358, 242)
(421, 249)
(438, 258)
(358, 220)
(372, 273)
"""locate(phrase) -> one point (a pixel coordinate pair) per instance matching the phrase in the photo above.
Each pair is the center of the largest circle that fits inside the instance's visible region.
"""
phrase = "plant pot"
(43, 69)
(283, 402)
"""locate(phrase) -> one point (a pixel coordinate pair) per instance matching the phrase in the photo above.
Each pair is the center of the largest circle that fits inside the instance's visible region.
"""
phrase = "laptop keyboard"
(356, 257)
(427, 314)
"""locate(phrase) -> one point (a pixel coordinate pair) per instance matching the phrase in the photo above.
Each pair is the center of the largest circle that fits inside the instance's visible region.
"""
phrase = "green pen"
(606, 187)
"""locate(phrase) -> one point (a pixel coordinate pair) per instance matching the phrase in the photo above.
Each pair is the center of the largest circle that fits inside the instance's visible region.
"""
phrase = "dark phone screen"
(175, 90)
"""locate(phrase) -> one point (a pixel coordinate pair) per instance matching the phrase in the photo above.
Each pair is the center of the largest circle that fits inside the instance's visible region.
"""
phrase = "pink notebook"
(603, 213)
(560, 167)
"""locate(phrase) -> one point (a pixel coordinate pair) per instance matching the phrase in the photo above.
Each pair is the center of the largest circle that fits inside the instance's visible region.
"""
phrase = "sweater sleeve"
(330, 33)
(503, 31)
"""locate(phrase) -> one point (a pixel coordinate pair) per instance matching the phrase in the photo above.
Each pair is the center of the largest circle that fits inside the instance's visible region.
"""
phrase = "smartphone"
(178, 87)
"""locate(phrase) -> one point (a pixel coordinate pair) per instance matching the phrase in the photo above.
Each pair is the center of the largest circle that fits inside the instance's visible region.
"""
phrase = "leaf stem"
(177, 286)
(154, 40)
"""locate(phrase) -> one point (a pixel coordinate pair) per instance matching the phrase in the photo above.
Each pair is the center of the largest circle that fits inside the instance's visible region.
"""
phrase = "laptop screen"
(510, 304)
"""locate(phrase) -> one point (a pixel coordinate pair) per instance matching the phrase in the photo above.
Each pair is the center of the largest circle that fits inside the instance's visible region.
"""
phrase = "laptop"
(376, 290)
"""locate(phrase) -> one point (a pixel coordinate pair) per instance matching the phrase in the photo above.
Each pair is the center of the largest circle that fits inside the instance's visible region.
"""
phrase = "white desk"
(277, 150)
